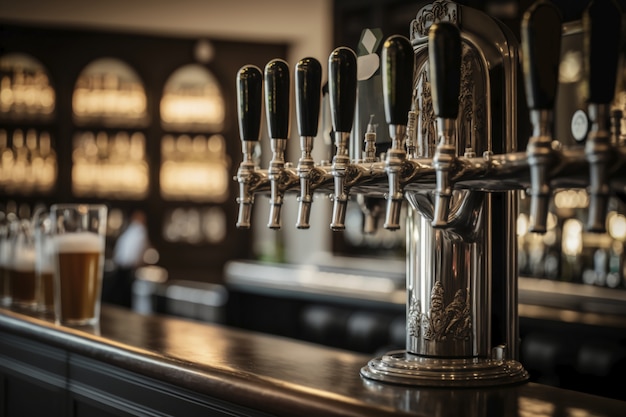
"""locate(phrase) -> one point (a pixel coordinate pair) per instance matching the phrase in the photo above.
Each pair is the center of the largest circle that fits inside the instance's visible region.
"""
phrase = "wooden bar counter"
(156, 365)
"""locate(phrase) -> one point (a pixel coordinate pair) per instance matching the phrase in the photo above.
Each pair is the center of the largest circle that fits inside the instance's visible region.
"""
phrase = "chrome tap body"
(396, 158)
(540, 158)
(305, 166)
(341, 161)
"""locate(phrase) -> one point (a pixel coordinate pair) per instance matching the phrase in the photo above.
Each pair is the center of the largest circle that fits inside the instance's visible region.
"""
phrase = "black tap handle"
(541, 47)
(249, 102)
(277, 98)
(444, 54)
(342, 86)
(602, 28)
(308, 95)
(398, 61)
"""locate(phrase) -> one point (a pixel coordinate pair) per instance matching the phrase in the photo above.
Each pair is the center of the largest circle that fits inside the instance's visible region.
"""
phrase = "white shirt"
(130, 246)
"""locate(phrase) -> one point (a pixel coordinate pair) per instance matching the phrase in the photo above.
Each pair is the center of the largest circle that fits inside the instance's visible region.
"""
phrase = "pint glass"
(78, 236)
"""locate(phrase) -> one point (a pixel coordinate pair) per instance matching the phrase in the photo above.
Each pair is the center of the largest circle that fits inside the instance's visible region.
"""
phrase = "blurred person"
(128, 255)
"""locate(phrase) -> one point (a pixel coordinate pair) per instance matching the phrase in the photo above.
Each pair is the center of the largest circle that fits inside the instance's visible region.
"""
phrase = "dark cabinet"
(34, 378)
(38, 379)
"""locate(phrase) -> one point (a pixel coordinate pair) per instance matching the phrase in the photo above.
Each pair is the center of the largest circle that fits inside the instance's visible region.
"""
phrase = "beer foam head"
(80, 242)
(24, 260)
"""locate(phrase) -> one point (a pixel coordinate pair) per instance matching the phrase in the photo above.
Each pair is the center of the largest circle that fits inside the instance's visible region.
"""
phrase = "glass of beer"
(78, 242)
(22, 270)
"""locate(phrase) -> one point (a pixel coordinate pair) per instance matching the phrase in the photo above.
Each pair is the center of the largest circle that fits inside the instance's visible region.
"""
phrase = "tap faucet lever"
(541, 46)
(444, 55)
(602, 31)
(277, 111)
(398, 61)
(342, 81)
(249, 102)
(308, 82)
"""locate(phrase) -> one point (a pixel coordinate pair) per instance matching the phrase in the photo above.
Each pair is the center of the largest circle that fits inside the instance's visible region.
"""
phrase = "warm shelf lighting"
(194, 169)
(192, 101)
(110, 166)
(110, 92)
(25, 88)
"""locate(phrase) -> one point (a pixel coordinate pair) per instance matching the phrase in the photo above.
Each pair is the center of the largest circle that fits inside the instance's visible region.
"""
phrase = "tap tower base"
(402, 367)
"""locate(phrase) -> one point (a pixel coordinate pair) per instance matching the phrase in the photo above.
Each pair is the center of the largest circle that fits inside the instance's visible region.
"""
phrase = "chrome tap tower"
(453, 95)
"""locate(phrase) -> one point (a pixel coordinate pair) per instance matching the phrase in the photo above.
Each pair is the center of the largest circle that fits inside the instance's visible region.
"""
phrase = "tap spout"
(249, 99)
(342, 73)
(444, 54)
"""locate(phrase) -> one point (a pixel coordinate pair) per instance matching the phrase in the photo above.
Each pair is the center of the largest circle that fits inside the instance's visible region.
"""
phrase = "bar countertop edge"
(280, 376)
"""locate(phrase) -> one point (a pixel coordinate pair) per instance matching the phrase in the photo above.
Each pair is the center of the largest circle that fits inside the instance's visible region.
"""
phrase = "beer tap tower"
(452, 103)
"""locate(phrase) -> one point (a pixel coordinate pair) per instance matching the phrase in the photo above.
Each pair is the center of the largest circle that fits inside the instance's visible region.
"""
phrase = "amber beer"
(5, 274)
(45, 290)
(22, 267)
(79, 262)
(23, 281)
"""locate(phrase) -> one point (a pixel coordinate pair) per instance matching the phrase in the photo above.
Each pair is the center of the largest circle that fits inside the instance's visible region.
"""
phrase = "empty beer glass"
(78, 236)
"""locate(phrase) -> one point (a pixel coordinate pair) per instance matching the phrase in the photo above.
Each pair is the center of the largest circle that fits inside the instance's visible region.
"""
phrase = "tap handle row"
(249, 102)
(308, 80)
(541, 50)
(342, 81)
(398, 61)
